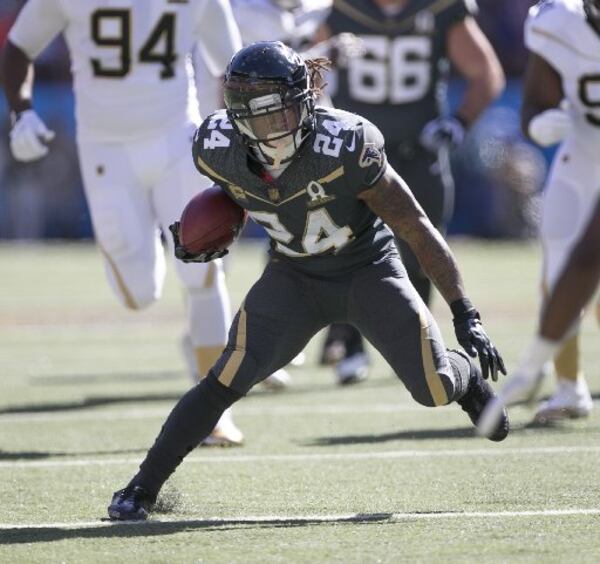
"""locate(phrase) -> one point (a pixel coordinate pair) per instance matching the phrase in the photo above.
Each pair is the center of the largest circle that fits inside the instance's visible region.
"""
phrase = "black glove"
(184, 255)
(472, 337)
(441, 132)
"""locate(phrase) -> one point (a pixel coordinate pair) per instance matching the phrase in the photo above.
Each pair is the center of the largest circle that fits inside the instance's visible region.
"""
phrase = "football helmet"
(269, 101)
(592, 11)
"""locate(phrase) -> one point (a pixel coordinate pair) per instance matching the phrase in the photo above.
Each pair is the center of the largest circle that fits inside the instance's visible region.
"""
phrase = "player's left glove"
(184, 255)
(29, 137)
(447, 131)
(472, 337)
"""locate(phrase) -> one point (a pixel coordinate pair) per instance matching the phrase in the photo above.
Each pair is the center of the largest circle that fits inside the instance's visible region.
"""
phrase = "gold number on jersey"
(111, 28)
(589, 94)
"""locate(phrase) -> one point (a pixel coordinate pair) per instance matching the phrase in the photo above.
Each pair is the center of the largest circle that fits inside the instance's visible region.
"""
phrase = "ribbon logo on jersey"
(317, 194)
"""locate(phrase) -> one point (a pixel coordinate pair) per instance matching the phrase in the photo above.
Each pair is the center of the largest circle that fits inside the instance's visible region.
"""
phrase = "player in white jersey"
(134, 136)
(573, 290)
(562, 105)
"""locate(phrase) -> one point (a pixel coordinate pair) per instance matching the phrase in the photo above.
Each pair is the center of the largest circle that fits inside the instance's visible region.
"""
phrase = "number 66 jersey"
(397, 82)
(128, 57)
(311, 212)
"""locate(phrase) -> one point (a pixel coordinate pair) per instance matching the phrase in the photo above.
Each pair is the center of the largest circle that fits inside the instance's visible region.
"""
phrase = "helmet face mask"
(269, 102)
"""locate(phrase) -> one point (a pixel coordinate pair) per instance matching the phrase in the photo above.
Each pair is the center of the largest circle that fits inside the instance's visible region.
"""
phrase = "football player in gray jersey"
(398, 83)
(319, 182)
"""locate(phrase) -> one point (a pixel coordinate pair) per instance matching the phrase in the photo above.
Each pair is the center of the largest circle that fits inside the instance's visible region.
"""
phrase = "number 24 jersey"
(311, 212)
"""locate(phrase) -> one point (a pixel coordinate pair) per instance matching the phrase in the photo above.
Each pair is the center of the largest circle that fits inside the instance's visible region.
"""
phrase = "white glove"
(550, 127)
(29, 137)
(442, 132)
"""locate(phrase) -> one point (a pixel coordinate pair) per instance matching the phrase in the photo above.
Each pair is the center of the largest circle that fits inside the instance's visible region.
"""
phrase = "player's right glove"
(550, 127)
(445, 131)
(29, 137)
(184, 255)
(472, 337)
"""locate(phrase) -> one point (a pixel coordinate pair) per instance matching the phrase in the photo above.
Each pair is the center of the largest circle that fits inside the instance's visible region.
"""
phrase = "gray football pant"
(285, 308)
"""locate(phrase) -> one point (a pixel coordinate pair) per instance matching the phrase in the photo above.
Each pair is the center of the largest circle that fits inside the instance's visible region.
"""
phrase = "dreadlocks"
(317, 67)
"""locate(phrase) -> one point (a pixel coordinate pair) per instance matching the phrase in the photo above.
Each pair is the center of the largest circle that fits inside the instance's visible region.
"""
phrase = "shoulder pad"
(549, 22)
(362, 146)
(212, 143)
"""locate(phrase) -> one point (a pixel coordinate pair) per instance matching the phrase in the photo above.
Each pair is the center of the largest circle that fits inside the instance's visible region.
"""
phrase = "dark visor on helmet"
(264, 116)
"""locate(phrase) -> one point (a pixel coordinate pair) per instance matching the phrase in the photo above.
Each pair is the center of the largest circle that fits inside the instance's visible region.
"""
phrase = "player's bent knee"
(237, 369)
(219, 395)
(438, 390)
(134, 296)
(145, 297)
(137, 283)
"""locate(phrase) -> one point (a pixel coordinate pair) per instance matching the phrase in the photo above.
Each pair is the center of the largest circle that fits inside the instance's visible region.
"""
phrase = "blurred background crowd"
(498, 174)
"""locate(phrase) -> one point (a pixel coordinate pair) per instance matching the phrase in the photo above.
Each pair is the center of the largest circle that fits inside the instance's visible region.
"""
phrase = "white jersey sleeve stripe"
(37, 24)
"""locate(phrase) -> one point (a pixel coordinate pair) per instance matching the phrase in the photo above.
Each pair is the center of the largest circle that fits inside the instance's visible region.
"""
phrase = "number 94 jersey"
(128, 57)
(311, 212)
(557, 31)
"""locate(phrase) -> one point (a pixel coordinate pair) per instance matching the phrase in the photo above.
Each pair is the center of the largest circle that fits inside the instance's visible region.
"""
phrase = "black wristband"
(16, 114)
(14, 117)
(463, 309)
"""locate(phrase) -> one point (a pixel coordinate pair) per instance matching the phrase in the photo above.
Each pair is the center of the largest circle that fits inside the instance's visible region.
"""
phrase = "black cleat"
(478, 395)
(130, 504)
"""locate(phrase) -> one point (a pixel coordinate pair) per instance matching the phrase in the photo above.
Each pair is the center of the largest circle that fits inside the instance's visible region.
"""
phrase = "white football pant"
(570, 197)
(134, 191)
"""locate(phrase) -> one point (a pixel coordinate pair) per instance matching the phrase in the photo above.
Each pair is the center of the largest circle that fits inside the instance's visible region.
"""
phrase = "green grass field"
(359, 474)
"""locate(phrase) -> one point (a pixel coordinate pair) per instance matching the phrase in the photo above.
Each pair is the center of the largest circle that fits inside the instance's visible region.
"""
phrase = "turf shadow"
(96, 401)
(100, 401)
(416, 435)
(431, 434)
(156, 528)
(42, 455)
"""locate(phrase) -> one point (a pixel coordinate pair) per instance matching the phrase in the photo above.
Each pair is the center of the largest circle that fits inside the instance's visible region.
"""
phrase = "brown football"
(211, 220)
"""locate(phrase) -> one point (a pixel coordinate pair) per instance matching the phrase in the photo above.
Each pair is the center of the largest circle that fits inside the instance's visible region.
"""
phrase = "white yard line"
(84, 414)
(311, 457)
(308, 519)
